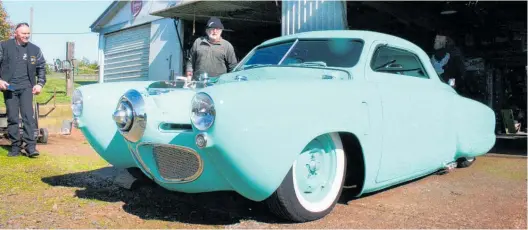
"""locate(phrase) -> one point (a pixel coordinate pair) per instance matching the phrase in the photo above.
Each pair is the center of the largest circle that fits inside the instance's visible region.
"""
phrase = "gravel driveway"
(489, 194)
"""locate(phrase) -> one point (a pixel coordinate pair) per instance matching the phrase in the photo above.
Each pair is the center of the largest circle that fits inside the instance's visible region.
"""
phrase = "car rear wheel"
(314, 183)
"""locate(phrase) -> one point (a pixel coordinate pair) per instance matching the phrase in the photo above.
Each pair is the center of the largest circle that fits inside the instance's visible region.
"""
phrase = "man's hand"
(3, 85)
(452, 82)
(37, 89)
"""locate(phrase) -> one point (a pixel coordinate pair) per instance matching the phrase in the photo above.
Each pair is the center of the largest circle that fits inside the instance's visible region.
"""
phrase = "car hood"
(172, 101)
(284, 73)
(171, 106)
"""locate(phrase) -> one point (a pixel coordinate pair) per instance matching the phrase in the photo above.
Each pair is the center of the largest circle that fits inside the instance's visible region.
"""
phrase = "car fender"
(475, 127)
(97, 125)
(262, 126)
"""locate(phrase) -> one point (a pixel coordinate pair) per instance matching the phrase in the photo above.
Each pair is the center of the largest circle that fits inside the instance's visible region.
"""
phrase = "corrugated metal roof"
(201, 11)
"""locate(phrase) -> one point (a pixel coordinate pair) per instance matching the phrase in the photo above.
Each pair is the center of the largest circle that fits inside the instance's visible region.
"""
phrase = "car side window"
(397, 61)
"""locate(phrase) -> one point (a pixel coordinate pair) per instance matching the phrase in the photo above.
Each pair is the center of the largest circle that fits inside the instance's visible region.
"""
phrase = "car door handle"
(364, 107)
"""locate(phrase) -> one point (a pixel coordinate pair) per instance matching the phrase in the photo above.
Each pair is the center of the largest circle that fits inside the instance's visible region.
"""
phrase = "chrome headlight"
(202, 111)
(123, 115)
(130, 116)
(77, 103)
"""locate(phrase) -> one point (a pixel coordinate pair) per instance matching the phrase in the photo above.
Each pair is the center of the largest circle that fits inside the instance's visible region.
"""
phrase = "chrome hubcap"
(314, 166)
(316, 169)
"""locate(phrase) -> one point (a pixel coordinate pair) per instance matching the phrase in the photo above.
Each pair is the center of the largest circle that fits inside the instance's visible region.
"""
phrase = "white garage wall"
(164, 42)
(165, 49)
(124, 15)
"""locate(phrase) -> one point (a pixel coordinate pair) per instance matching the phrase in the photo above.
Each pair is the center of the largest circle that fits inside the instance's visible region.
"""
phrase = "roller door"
(126, 54)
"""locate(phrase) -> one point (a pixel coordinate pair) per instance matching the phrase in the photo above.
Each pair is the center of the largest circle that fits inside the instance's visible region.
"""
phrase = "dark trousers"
(20, 102)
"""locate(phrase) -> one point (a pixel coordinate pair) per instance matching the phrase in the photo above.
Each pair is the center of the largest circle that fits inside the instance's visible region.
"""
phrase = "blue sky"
(60, 17)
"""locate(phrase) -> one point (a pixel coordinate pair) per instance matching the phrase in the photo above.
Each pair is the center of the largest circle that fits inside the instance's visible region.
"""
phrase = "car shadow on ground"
(347, 197)
(150, 201)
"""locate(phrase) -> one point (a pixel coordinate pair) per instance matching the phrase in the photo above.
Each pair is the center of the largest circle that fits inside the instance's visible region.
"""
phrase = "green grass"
(28, 185)
(54, 84)
(21, 173)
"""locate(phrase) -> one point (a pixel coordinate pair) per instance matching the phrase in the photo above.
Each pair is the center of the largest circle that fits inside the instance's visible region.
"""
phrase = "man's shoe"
(14, 153)
(33, 153)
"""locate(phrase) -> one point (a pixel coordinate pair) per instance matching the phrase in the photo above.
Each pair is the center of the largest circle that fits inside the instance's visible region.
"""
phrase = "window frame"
(250, 55)
(325, 39)
(295, 41)
(381, 46)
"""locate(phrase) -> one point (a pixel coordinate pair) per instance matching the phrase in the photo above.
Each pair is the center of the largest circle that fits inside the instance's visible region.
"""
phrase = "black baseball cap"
(215, 22)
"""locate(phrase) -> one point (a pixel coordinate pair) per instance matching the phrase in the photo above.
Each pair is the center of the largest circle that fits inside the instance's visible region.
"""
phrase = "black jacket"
(36, 62)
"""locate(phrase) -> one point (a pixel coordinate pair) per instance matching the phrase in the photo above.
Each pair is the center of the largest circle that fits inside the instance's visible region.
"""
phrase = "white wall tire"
(310, 193)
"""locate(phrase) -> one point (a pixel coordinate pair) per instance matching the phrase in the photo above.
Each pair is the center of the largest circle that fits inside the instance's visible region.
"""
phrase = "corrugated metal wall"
(305, 15)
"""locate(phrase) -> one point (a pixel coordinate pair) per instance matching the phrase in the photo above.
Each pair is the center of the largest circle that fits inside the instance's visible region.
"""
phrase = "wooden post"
(69, 83)
(70, 55)
(31, 21)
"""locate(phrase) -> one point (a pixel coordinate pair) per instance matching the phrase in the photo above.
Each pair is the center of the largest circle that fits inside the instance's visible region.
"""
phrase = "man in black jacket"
(22, 74)
(448, 61)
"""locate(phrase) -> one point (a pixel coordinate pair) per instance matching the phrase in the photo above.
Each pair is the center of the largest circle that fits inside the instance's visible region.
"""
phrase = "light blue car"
(301, 118)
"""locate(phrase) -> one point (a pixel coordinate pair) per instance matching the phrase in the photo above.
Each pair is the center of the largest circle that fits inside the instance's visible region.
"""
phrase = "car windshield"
(335, 52)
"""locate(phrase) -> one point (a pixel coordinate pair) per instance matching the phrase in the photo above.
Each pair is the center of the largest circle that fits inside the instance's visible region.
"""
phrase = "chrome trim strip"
(179, 130)
(166, 180)
(138, 159)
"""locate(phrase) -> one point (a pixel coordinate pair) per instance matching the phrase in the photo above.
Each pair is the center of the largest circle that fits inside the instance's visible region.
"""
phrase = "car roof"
(365, 35)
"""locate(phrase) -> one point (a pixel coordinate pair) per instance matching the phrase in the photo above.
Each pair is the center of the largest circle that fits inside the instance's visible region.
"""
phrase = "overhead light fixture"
(444, 12)
(448, 9)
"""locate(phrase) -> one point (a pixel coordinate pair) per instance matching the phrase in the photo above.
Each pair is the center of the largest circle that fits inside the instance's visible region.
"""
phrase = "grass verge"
(21, 174)
(43, 188)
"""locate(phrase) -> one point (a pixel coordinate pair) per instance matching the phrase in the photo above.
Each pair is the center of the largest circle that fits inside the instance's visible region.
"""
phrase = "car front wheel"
(465, 162)
(314, 183)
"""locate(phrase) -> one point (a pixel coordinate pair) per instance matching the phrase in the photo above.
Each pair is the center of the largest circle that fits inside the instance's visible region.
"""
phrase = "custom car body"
(301, 118)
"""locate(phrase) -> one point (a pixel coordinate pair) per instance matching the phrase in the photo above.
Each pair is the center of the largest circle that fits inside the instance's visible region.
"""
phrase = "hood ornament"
(240, 78)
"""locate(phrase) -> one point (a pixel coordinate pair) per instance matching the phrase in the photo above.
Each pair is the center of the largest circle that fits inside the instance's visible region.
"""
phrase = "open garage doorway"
(490, 35)
(246, 23)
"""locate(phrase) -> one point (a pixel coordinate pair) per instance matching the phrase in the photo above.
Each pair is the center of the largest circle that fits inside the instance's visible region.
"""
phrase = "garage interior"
(491, 36)
(246, 23)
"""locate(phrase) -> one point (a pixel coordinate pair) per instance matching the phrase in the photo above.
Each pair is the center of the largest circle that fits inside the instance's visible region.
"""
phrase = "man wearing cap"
(210, 54)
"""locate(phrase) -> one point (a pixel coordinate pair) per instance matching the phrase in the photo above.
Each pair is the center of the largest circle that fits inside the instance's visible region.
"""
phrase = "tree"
(85, 62)
(6, 27)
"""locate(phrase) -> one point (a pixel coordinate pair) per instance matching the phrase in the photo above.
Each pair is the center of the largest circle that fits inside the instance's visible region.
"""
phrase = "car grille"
(177, 163)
